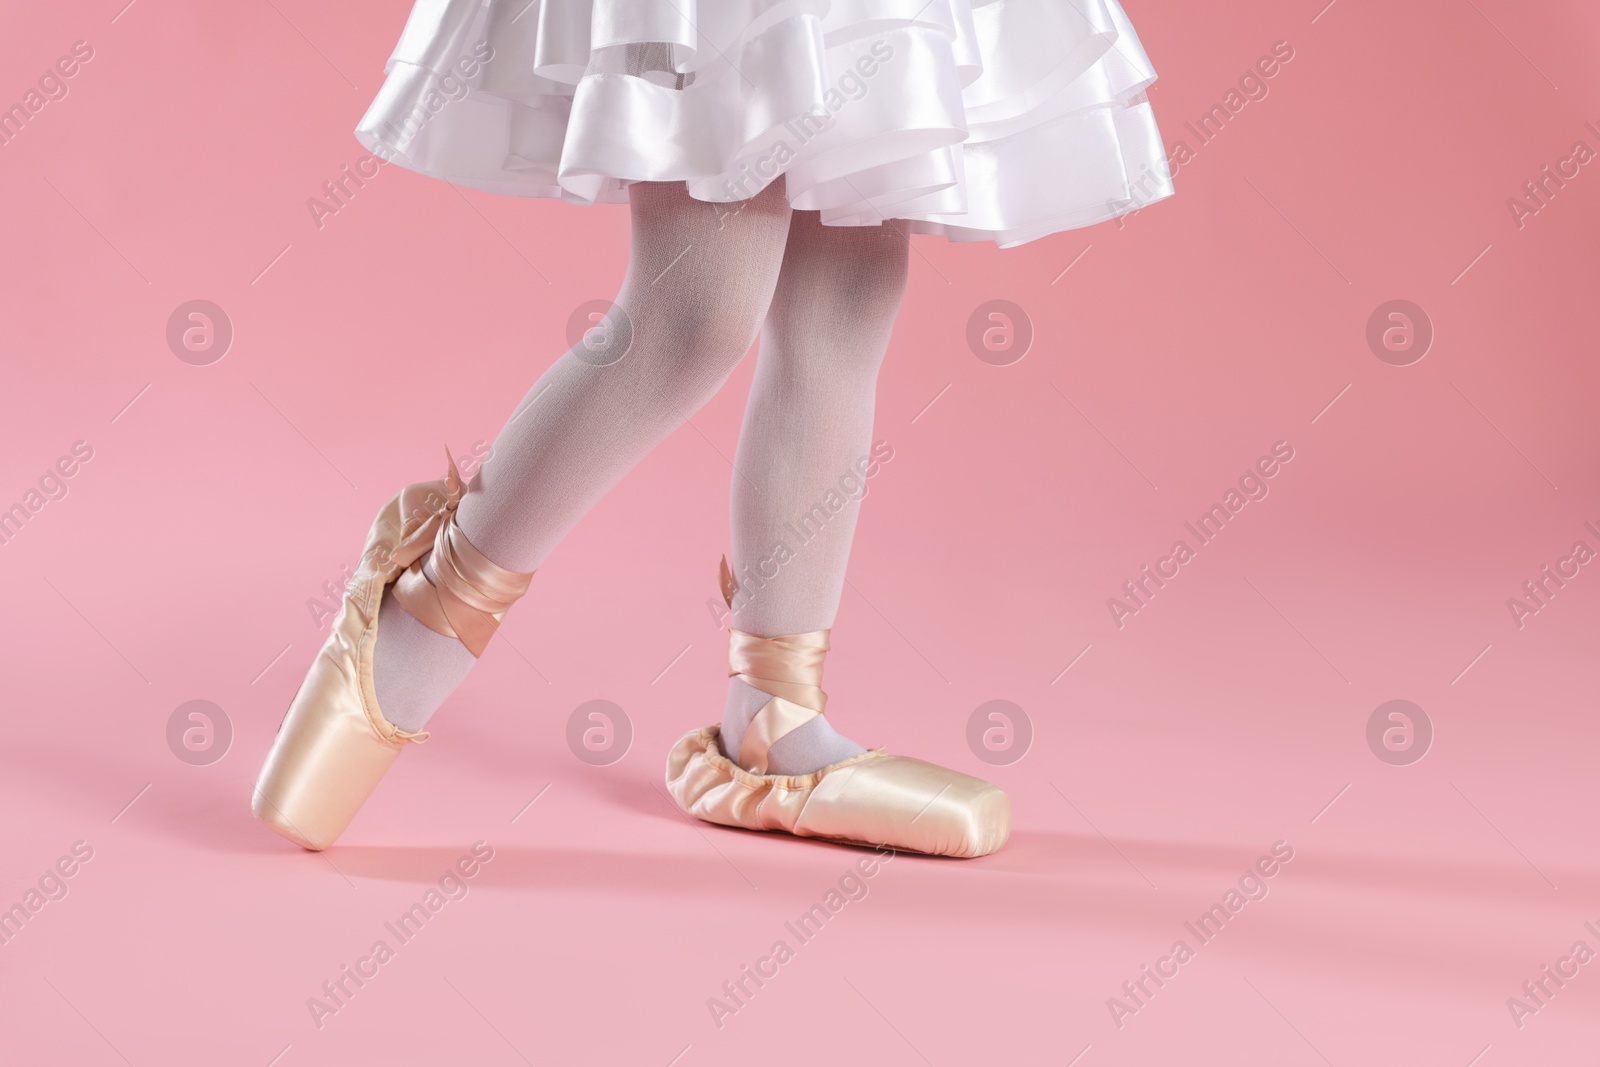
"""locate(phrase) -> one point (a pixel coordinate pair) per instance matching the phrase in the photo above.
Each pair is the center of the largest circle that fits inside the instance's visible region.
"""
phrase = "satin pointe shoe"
(334, 743)
(870, 799)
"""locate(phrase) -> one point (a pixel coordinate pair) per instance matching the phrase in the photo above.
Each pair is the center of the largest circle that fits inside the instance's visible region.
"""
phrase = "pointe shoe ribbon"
(471, 593)
(870, 799)
(788, 669)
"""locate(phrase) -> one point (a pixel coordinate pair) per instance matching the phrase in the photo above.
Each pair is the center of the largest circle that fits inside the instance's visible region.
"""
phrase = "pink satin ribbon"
(788, 668)
(472, 593)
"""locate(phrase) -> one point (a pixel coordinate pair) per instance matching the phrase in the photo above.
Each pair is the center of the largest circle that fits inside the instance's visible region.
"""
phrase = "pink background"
(1222, 718)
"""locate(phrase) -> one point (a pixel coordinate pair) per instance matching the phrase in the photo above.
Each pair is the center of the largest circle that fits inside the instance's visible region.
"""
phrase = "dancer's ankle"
(807, 748)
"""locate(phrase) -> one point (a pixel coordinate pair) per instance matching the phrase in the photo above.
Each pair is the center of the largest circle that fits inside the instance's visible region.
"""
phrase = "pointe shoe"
(334, 743)
(870, 799)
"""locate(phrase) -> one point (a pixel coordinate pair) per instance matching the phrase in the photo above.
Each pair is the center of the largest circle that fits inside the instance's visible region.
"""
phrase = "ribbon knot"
(470, 593)
(788, 668)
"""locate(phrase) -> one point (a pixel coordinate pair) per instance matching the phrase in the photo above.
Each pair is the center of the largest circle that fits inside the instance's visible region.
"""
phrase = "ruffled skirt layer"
(1003, 120)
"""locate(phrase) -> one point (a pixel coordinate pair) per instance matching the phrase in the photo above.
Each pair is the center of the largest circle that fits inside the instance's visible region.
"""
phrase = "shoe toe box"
(911, 805)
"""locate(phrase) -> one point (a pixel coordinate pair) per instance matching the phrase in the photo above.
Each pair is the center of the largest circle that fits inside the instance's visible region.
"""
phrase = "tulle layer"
(1001, 120)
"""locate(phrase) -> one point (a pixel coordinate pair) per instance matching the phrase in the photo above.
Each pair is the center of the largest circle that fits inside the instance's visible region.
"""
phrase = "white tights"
(702, 280)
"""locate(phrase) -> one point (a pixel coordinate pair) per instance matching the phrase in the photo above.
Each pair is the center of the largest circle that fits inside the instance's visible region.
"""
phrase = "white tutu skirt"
(1000, 120)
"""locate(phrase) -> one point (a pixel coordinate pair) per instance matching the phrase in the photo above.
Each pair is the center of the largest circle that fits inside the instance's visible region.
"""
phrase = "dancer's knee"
(703, 336)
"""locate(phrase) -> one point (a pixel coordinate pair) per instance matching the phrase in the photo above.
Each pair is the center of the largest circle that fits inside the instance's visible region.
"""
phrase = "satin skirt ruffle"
(1001, 120)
